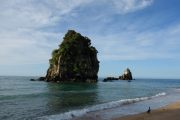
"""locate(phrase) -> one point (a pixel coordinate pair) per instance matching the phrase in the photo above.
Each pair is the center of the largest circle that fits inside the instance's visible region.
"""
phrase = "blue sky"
(143, 35)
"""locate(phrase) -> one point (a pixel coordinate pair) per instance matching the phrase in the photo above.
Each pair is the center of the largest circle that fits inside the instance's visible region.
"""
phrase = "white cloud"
(126, 6)
(26, 46)
(132, 45)
(23, 38)
(34, 14)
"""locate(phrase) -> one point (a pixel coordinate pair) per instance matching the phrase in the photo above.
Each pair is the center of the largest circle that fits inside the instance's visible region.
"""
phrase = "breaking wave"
(80, 112)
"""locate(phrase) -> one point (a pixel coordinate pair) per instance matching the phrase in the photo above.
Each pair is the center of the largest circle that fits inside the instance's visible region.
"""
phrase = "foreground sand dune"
(170, 112)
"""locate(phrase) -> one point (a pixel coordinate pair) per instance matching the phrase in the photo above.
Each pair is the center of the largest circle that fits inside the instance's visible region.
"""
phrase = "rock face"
(74, 60)
(126, 75)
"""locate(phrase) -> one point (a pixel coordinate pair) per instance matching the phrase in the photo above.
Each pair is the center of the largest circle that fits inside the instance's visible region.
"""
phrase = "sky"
(143, 35)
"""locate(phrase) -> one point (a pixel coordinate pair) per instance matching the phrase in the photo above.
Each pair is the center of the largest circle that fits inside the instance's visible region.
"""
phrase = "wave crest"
(80, 112)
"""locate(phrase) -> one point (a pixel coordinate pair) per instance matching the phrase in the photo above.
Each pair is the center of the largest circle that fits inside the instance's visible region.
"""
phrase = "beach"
(169, 112)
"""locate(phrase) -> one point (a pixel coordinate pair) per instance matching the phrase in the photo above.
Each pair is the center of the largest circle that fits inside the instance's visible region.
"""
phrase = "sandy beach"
(170, 112)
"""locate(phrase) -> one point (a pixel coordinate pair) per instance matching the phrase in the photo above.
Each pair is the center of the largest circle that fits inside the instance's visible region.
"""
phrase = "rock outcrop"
(75, 60)
(110, 79)
(127, 75)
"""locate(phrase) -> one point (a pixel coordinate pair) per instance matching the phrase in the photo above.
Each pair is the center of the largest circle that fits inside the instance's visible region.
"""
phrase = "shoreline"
(169, 112)
(127, 111)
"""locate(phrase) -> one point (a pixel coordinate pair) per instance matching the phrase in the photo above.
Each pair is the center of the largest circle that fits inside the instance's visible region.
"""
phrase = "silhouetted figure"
(149, 110)
(72, 115)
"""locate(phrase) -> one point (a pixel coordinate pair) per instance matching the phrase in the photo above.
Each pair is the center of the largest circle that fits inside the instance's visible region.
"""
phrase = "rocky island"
(127, 75)
(74, 61)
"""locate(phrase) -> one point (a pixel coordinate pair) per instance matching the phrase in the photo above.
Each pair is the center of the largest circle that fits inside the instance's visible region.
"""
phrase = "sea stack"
(74, 61)
(127, 75)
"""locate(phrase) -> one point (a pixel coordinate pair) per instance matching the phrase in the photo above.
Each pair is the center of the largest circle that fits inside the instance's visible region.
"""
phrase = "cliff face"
(127, 75)
(74, 60)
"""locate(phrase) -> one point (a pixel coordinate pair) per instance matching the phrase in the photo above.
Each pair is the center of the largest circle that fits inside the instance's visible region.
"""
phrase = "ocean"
(21, 98)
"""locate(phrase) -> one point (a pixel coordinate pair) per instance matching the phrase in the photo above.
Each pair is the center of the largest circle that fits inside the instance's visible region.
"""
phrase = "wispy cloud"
(24, 34)
(34, 14)
(23, 39)
(126, 6)
(26, 46)
(134, 45)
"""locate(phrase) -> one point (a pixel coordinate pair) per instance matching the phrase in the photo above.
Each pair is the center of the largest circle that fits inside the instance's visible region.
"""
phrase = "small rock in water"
(41, 79)
(32, 80)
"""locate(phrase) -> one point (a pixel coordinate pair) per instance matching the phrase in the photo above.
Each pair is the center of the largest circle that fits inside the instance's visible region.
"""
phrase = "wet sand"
(170, 112)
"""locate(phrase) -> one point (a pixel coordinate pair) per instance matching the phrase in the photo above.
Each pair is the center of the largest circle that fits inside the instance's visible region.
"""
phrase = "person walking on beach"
(149, 110)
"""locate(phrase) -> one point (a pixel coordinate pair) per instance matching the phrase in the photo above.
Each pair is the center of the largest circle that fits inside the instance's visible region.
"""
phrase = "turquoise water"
(21, 98)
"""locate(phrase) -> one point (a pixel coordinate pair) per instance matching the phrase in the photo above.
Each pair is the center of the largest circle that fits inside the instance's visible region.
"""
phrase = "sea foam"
(80, 112)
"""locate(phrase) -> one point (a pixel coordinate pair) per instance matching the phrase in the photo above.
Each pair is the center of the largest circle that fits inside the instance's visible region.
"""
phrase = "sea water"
(21, 98)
